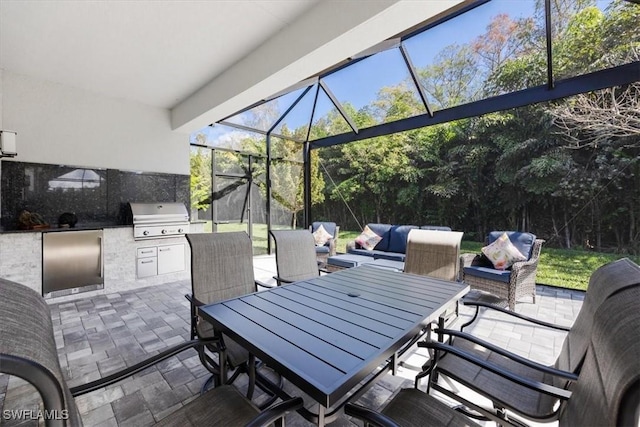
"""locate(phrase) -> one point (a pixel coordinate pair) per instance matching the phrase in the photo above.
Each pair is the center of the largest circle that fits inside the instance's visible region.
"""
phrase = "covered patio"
(102, 334)
(260, 122)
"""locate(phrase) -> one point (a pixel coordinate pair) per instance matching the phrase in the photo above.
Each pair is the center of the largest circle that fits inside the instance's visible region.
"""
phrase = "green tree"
(287, 172)
(200, 177)
(287, 178)
(453, 77)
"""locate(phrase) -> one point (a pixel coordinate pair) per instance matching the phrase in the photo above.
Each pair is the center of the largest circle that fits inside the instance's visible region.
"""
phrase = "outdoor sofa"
(393, 243)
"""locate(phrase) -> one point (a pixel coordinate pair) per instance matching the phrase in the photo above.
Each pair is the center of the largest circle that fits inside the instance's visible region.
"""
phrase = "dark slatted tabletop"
(322, 339)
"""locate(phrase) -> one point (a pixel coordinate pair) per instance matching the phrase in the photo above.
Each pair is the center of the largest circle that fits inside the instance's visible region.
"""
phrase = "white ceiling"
(201, 59)
(153, 52)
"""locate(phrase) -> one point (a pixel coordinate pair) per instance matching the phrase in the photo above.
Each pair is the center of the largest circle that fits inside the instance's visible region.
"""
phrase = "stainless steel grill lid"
(158, 212)
(154, 220)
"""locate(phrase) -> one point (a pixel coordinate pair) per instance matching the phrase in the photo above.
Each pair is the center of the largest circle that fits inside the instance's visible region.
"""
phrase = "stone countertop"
(95, 226)
(86, 226)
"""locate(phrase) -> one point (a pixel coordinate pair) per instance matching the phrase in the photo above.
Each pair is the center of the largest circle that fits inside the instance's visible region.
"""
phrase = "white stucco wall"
(63, 125)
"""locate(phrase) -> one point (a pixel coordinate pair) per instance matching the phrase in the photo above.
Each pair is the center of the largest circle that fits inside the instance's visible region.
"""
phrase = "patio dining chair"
(606, 393)
(433, 253)
(608, 280)
(221, 268)
(28, 351)
(295, 256)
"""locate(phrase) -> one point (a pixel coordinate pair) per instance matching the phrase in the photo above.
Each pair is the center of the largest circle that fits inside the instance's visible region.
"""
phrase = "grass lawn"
(557, 267)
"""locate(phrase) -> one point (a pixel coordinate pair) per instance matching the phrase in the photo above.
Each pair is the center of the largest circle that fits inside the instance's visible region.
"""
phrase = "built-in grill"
(157, 220)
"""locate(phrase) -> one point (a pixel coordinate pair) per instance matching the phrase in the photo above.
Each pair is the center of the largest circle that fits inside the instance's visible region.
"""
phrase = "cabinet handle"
(146, 261)
(164, 249)
(146, 252)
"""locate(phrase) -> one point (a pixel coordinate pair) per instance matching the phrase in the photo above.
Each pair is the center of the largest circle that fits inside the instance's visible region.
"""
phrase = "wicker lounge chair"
(511, 284)
(295, 256)
(606, 392)
(608, 280)
(329, 248)
(433, 253)
(28, 350)
(221, 268)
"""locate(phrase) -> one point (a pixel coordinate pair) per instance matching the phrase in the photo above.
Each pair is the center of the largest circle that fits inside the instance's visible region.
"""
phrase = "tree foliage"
(567, 170)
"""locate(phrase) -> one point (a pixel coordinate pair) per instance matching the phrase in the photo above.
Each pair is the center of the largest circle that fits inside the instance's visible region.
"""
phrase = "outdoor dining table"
(330, 334)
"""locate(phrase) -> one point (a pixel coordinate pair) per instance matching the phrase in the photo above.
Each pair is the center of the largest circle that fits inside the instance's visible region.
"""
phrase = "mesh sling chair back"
(606, 281)
(28, 350)
(221, 268)
(606, 393)
(295, 255)
(511, 284)
(433, 253)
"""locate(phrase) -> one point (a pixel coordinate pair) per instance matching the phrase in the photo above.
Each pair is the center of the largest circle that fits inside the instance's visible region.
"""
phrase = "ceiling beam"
(328, 34)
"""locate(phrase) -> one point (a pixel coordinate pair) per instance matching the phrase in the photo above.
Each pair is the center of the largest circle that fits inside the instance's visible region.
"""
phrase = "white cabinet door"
(147, 267)
(171, 258)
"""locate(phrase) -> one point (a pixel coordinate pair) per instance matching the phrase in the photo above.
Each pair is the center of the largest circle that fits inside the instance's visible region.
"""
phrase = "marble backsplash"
(96, 196)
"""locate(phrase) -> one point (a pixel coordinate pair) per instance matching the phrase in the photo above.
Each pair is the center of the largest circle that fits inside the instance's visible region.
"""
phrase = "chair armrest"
(521, 265)
(369, 416)
(125, 373)
(195, 302)
(518, 315)
(268, 416)
(351, 245)
(281, 281)
(264, 285)
(467, 260)
(532, 261)
(509, 355)
(537, 386)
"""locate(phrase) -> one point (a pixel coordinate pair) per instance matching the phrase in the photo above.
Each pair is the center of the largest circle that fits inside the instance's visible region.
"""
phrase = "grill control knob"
(164, 231)
(180, 230)
(145, 233)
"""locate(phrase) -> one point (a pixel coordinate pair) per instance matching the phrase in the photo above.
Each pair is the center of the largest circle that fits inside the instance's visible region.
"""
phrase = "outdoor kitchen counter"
(196, 227)
(21, 257)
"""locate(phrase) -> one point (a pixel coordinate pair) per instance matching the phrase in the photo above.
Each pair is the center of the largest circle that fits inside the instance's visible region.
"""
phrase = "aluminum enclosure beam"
(617, 76)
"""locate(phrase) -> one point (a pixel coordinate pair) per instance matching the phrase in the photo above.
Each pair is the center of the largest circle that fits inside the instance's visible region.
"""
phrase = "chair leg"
(251, 371)
(208, 362)
(473, 319)
(512, 301)
(273, 397)
(213, 378)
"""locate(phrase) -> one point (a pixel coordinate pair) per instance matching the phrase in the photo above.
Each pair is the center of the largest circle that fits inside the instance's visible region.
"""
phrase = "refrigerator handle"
(100, 257)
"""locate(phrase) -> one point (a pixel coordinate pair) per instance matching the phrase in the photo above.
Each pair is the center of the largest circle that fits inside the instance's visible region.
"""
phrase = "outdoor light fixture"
(8, 143)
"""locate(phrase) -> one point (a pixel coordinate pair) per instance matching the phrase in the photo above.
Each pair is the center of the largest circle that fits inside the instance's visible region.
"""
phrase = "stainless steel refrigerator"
(72, 260)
